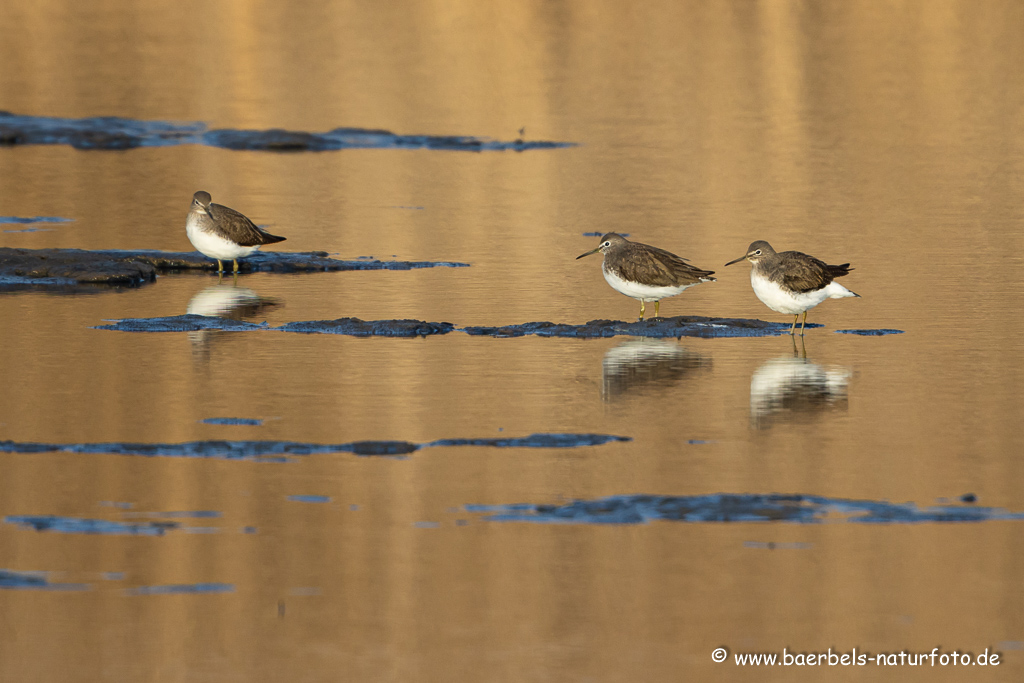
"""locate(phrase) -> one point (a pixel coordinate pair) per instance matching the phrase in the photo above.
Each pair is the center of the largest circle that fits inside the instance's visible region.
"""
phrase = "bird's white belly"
(778, 299)
(639, 291)
(214, 245)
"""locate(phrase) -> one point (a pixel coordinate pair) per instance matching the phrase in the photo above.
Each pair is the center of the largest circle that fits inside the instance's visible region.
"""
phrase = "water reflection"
(794, 388)
(224, 301)
(639, 365)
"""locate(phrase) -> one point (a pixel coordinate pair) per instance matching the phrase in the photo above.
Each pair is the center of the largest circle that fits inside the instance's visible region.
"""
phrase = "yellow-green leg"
(656, 304)
(235, 261)
(642, 309)
(220, 266)
(792, 330)
(803, 324)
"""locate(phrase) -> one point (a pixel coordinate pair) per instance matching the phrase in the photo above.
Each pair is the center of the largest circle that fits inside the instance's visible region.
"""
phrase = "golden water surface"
(885, 133)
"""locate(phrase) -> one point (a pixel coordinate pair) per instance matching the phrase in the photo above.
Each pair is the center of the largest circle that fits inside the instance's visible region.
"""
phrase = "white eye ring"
(607, 244)
(757, 253)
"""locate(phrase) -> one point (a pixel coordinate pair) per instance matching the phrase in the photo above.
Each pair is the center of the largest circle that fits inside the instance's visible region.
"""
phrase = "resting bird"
(792, 282)
(644, 272)
(222, 233)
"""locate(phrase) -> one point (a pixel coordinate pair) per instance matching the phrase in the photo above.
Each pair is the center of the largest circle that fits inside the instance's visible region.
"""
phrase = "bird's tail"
(271, 239)
(837, 291)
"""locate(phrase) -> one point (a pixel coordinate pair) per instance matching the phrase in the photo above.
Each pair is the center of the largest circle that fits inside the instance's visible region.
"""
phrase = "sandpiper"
(792, 282)
(645, 272)
(222, 233)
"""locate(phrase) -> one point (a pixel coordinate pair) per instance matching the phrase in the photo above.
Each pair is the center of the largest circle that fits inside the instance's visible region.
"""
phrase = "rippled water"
(884, 134)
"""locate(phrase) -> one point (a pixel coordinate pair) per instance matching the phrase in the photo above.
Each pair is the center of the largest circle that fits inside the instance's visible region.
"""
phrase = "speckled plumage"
(644, 272)
(222, 233)
(792, 282)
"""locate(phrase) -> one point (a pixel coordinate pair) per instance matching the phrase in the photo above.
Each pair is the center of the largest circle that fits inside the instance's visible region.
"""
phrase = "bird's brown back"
(801, 272)
(240, 229)
(653, 266)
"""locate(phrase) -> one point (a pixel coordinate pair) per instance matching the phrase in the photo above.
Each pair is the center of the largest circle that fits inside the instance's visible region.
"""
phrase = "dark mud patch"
(35, 581)
(19, 220)
(368, 328)
(182, 589)
(75, 525)
(178, 514)
(182, 323)
(536, 441)
(68, 269)
(115, 133)
(680, 326)
(343, 326)
(300, 498)
(721, 507)
(238, 421)
(870, 333)
(285, 451)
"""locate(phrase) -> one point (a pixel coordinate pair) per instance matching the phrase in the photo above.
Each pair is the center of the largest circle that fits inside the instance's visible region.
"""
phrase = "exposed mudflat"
(284, 451)
(679, 326)
(725, 507)
(870, 333)
(34, 581)
(75, 525)
(182, 323)
(71, 269)
(368, 328)
(682, 326)
(116, 133)
(660, 327)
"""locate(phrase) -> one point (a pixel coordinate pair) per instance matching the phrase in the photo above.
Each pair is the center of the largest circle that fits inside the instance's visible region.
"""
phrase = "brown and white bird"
(792, 282)
(222, 233)
(644, 272)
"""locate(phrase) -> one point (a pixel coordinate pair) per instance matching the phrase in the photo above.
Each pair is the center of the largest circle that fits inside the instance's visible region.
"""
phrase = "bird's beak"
(741, 258)
(592, 251)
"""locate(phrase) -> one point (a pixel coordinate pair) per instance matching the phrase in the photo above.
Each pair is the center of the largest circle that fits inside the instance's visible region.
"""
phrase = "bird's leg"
(235, 261)
(792, 330)
(656, 304)
(641, 309)
(803, 324)
(220, 266)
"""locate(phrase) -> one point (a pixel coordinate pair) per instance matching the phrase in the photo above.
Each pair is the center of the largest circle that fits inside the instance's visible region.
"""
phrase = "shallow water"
(887, 135)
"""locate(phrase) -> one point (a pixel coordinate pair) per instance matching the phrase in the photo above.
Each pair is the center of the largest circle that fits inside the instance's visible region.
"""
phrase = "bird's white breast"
(213, 245)
(782, 300)
(640, 291)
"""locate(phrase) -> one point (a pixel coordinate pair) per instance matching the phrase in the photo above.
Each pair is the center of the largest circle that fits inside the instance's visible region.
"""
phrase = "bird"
(222, 233)
(792, 282)
(644, 272)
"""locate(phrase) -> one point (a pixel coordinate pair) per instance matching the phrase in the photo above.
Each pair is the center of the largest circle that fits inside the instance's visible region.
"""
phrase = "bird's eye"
(607, 244)
(757, 253)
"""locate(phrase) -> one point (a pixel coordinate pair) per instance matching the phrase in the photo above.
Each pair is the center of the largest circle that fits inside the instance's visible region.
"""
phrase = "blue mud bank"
(672, 328)
(727, 507)
(285, 451)
(77, 269)
(116, 133)
(12, 580)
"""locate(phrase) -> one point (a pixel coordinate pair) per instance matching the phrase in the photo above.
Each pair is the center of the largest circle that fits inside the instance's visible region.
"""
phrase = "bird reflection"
(222, 301)
(793, 387)
(639, 365)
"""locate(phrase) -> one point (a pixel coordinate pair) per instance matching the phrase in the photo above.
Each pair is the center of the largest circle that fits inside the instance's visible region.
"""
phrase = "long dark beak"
(741, 258)
(592, 251)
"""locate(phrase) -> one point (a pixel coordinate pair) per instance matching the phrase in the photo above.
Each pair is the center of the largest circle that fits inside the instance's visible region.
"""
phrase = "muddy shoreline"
(82, 269)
